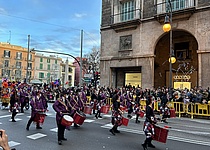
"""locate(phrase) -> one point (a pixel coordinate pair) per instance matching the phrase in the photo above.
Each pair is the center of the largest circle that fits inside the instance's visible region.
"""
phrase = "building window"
(18, 73)
(18, 65)
(162, 6)
(56, 61)
(48, 67)
(70, 70)
(5, 72)
(29, 65)
(7, 53)
(182, 51)
(40, 66)
(41, 75)
(63, 68)
(48, 75)
(127, 10)
(48, 60)
(30, 57)
(29, 74)
(178, 4)
(6, 63)
(126, 42)
(18, 55)
(41, 59)
(70, 78)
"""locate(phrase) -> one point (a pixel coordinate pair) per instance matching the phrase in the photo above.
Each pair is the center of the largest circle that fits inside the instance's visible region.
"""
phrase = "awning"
(36, 82)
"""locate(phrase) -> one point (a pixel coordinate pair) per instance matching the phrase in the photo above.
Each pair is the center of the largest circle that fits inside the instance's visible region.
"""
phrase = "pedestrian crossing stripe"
(16, 119)
(54, 130)
(88, 120)
(13, 143)
(36, 136)
(107, 116)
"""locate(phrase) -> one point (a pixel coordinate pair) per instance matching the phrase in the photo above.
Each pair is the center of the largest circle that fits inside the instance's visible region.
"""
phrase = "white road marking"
(108, 126)
(107, 115)
(13, 143)
(191, 132)
(5, 116)
(36, 136)
(49, 114)
(88, 120)
(16, 119)
(54, 130)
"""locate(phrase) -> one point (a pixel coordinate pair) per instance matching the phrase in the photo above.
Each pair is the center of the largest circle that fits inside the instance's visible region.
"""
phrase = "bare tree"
(93, 59)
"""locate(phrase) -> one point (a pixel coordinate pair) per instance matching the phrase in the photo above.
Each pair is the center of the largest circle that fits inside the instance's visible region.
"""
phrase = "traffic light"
(96, 76)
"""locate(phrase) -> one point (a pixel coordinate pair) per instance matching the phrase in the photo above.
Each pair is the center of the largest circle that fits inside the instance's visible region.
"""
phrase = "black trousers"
(98, 113)
(22, 106)
(14, 113)
(61, 130)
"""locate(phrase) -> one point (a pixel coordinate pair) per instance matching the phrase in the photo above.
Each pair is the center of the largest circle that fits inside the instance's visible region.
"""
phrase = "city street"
(185, 133)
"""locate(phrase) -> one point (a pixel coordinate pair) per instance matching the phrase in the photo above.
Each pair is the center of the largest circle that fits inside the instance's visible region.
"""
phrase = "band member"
(38, 105)
(94, 100)
(22, 99)
(98, 107)
(149, 132)
(137, 111)
(75, 106)
(14, 104)
(148, 124)
(116, 114)
(129, 102)
(60, 107)
(165, 111)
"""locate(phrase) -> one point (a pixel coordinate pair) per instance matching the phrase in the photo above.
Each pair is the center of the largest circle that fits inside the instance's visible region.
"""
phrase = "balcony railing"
(176, 5)
(126, 16)
(29, 68)
(18, 58)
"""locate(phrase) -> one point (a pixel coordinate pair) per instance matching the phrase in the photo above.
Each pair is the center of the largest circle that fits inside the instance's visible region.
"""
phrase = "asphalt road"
(184, 134)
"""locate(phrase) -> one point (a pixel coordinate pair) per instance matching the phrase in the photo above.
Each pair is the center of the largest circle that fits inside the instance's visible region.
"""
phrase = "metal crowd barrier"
(192, 109)
(197, 109)
(88, 99)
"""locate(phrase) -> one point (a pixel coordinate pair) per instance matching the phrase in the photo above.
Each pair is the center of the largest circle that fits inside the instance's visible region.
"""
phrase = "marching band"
(72, 106)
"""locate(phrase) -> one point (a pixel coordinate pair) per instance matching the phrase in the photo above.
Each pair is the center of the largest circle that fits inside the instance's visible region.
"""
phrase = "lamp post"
(167, 27)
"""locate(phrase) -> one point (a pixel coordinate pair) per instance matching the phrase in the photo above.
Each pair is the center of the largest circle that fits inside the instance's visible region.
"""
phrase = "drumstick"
(66, 113)
(71, 105)
(120, 110)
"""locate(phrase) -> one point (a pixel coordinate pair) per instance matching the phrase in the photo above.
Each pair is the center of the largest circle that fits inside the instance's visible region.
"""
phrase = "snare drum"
(39, 118)
(88, 110)
(105, 109)
(125, 121)
(79, 118)
(67, 120)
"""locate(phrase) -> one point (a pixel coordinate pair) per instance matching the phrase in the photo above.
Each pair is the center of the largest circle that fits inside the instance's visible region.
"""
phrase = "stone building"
(135, 50)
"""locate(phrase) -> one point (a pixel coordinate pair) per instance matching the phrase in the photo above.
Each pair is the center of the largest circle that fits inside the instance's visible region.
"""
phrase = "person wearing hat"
(148, 124)
(38, 106)
(60, 108)
(116, 114)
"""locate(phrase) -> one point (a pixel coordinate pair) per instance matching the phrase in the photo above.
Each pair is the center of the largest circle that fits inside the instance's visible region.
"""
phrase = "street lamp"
(167, 27)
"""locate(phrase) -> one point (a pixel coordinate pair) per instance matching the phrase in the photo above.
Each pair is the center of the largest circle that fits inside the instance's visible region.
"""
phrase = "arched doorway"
(185, 69)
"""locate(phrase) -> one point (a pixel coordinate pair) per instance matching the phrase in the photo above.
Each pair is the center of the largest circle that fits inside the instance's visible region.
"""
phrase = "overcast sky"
(53, 25)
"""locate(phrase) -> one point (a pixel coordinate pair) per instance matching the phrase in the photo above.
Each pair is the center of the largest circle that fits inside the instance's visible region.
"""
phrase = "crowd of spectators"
(194, 95)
